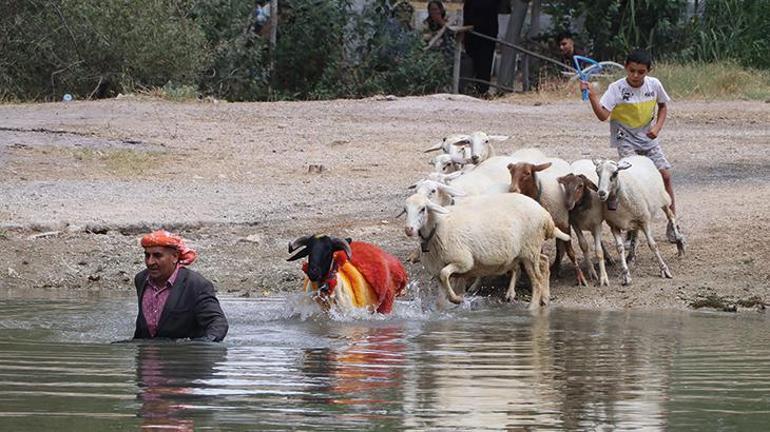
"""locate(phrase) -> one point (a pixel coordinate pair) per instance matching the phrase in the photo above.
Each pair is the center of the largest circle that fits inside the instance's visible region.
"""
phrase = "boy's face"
(635, 73)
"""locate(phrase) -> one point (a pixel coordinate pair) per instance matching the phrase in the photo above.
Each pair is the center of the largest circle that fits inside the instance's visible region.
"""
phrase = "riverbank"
(81, 181)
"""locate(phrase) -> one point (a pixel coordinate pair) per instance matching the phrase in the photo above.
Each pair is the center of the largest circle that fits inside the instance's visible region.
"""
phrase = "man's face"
(567, 46)
(161, 262)
(636, 73)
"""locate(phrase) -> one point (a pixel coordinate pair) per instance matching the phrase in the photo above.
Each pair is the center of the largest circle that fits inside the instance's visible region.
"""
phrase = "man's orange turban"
(166, 239)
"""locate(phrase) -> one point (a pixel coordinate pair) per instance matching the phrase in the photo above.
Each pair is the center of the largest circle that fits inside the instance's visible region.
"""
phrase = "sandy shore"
(81, 181)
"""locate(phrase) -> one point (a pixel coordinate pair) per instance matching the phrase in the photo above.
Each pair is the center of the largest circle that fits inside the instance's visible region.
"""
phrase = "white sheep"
(585, 213)
(448, 163)
(484, 236)
(474, 147)
(633, 191)
(540, 182)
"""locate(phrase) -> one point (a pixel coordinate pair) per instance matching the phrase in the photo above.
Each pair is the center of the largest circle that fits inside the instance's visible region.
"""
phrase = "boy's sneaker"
(670, 234)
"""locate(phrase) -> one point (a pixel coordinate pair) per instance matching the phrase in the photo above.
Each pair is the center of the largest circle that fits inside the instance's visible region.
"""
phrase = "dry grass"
(713, 81)
(120, 162)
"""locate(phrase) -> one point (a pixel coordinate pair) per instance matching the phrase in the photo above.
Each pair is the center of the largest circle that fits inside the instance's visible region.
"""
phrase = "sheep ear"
(450, 190)
(413, 186)
(562, 179)
(542, 166)
(588, 183)
(596, 162)
(624, 165)
(498, 137)
(453, 175)
(436, 208)
(434, 148)
(403, 212)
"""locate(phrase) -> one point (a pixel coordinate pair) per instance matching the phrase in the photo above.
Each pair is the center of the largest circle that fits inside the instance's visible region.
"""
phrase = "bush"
(100, 49)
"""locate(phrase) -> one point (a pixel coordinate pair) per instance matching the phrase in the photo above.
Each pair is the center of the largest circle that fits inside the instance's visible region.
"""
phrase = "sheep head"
(523, 179)
(320, 252)
(607, 171)
(418, 208)
(576, 187)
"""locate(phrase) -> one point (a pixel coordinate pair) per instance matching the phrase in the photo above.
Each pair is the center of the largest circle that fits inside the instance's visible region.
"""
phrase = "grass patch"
(121, 162)
(724, 80)
(719, 81)
(713, 301)
(172, 92)
(3, 234)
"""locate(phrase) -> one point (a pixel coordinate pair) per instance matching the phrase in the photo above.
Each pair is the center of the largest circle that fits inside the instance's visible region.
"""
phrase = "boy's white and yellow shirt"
(632, 111)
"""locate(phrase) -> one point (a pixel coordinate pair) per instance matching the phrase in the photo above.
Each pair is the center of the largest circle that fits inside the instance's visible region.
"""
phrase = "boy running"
(630, 103)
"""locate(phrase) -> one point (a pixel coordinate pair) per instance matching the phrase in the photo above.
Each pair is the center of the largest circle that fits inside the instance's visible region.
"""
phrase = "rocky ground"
(81, 181)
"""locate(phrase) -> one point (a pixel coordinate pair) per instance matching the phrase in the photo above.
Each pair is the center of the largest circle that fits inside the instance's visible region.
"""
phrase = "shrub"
(96, 48)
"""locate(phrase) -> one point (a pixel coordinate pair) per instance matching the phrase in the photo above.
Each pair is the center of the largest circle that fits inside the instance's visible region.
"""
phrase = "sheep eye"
(615, 174)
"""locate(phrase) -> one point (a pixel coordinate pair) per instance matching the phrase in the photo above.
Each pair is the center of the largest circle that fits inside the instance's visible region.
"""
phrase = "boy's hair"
(564, 35)
(639, 56)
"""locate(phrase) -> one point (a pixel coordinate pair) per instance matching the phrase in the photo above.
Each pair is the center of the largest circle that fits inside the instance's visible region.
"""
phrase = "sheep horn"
(298, 243)
(340, 244)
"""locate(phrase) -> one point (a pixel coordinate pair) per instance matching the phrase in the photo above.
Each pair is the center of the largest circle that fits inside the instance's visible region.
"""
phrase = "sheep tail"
(551, 231)
(560, 234)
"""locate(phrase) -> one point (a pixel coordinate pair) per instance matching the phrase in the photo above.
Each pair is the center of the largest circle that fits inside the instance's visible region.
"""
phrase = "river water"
(483, 366)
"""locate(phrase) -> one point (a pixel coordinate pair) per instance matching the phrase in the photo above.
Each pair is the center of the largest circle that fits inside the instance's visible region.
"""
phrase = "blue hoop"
(595, 68)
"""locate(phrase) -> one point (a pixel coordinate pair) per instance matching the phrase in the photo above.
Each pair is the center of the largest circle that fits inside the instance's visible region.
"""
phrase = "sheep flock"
(481, 213)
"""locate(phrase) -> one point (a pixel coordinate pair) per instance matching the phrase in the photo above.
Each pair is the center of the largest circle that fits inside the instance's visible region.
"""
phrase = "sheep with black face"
(349, 275)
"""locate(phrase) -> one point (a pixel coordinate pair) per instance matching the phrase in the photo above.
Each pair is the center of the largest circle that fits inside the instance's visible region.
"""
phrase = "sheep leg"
(536, 277)
(445, 276)
(626, 277)
(608, 259)
(664, 271)
(475, 286)
(581, 279)
(599, 250)
(680, 241)
(556, 266)
(586, 254)
(631, 236)
(545, 273)
(510, 295)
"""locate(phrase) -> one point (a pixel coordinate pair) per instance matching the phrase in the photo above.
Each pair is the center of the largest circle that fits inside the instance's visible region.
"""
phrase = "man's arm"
(209, 314)
(662, 112)
(600, 112)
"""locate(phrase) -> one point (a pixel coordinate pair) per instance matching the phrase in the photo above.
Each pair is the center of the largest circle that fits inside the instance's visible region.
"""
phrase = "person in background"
(435, 28)
(630, 104)
(174, 301)
(482, 15)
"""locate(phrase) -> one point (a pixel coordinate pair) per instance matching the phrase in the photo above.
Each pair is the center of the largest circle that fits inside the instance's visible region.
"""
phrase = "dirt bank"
(80, 181)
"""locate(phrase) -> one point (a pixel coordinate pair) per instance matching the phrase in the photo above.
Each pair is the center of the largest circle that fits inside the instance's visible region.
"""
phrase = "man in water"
(174, 301)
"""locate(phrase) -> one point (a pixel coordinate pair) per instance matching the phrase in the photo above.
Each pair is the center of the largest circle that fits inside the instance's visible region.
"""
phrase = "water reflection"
(167, 376)
(485, 368)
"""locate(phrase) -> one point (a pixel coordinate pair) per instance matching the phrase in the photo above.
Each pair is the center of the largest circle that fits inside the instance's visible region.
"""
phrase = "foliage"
(732, 29)
(614, 27)
(52, 47)
(237, 69)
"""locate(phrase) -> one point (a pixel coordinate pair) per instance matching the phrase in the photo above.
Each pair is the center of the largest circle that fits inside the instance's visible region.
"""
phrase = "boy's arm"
(601, 112)
(655, 130)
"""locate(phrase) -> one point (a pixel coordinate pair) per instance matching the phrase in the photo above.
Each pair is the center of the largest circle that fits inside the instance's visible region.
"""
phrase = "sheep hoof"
(604, 281)
(665, 273)
(626, 279)
(455, 299)
(680, 247)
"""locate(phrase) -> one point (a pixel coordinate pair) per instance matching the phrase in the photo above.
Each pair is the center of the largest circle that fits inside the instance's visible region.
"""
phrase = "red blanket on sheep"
(384, 272)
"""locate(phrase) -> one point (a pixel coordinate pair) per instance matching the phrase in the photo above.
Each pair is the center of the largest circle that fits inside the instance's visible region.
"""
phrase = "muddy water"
(480, 367)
